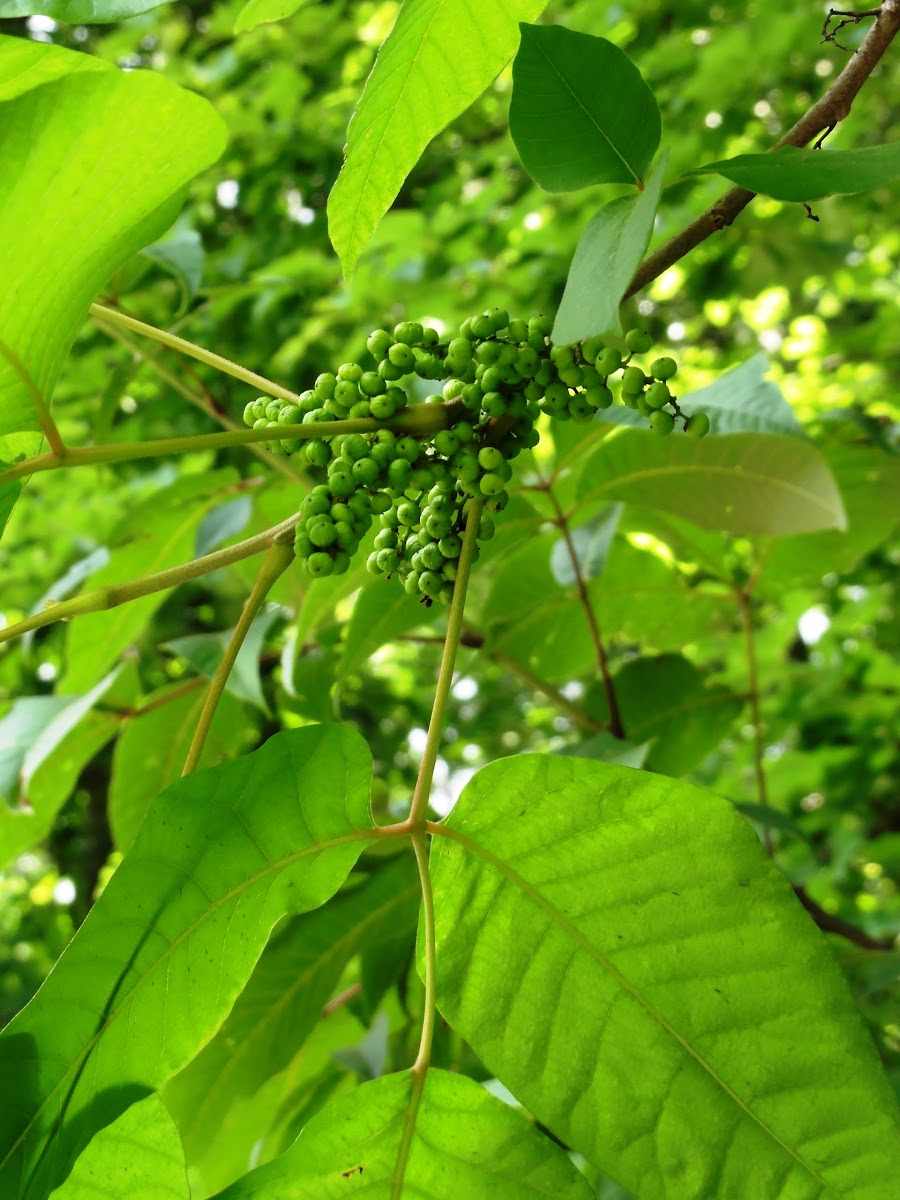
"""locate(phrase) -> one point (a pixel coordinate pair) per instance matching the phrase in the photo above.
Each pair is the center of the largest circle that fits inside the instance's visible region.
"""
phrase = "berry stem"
(615, 720)
(276, 562)
(113, 317)
(418, 812)
(417, 420)
(120, 593)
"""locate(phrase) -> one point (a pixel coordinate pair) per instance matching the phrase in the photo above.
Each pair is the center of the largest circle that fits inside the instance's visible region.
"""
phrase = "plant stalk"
(276, 562)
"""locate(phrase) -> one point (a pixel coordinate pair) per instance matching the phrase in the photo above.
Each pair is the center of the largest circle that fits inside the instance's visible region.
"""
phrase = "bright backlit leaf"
(620, 951)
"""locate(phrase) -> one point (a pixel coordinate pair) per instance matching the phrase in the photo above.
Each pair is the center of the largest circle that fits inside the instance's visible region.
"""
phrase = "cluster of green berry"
(419, 477)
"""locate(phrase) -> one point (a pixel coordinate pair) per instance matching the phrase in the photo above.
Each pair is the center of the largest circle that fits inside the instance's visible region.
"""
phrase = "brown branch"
(615, 718)
(830, 923)
(833, 107)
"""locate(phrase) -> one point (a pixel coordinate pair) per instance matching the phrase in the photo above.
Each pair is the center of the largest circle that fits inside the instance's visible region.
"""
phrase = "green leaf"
(381, 613)
(799, 175)
(667, 700)
(608, 253)
(224, 522)
(745, 483)
(591, 543)
(461, 1133)
(159, 534)
(151, 751)
(26, 719)
(93, 158)
(139, 1156)
(204, 651)
(9, 494)
(743, 401)
(296, 975)
(257, 12)
(51, 785)
(619, 950)
(869, 481)
(580, 112)
(76, 12)
(181, 253)
(221, 856)
(415, 89)
(80, 571)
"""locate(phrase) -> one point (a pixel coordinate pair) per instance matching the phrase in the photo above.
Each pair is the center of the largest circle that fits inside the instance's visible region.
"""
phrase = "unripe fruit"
(662, 422)
(633, 380)
(698, 425)
(409, 332)
(638, 341)
(379, 342)
(657, 395)
(401, 356)
(663, 368)
(320, 564)
(599, 397)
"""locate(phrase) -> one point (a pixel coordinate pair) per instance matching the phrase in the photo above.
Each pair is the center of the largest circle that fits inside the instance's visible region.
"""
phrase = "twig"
(615, 719)
(852, 18)
(834, 106)
(115, 594)
(276, 562)
(830, 923)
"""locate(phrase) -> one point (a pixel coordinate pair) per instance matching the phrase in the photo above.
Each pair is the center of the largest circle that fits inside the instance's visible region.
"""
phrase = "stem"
(744, 600)
(202, 401)
(419, 420)
(423, 1058)
(225, 365)
(418, 812)
(276, 562)
(833, 107)
(615, 718)
(45, 420)
(120, 593)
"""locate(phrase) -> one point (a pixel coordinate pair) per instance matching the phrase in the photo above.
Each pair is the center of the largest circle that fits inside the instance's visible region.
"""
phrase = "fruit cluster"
(499, 376)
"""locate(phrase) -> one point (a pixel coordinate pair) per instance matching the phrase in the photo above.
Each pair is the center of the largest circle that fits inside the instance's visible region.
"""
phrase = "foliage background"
(255, 279)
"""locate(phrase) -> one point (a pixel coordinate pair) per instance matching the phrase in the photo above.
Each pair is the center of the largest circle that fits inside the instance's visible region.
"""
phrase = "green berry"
(321, 531)
(697, 425)
(662, 422)
(633, 380)
(638, 341)
(446, 443)
(490, 457)
(325, 385)
(599, 397)
(482, 327)
(372, 384)
(517, 330)
(430, 584)
(657, 395)
(379, 342)
(401, 356)
(410, 333)
(608, 361)
(491, 484)
(350, 372)
(663, 368)
(382, 408)
(407, 447)
(320, 564)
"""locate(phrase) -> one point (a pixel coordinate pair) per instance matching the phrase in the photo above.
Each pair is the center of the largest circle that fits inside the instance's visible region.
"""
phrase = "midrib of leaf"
(274, 866)
(688, 468)
(577, 936)
(302, 979)
(373, 157)
(591, 118)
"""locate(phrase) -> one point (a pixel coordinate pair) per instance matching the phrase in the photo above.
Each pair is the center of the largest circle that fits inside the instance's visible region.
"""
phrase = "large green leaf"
(580, 113)
(798, 175)
(869, 480)
(465, 1143)
(94, 158)
(205, 651)
(283, 1001)
(619, 950)
(139, 1156)
(745, 483)
(74, 12)
(667, 700)
(743, 401)
(438, 59)
(151, 751)
(162, 956)
(608, 253)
